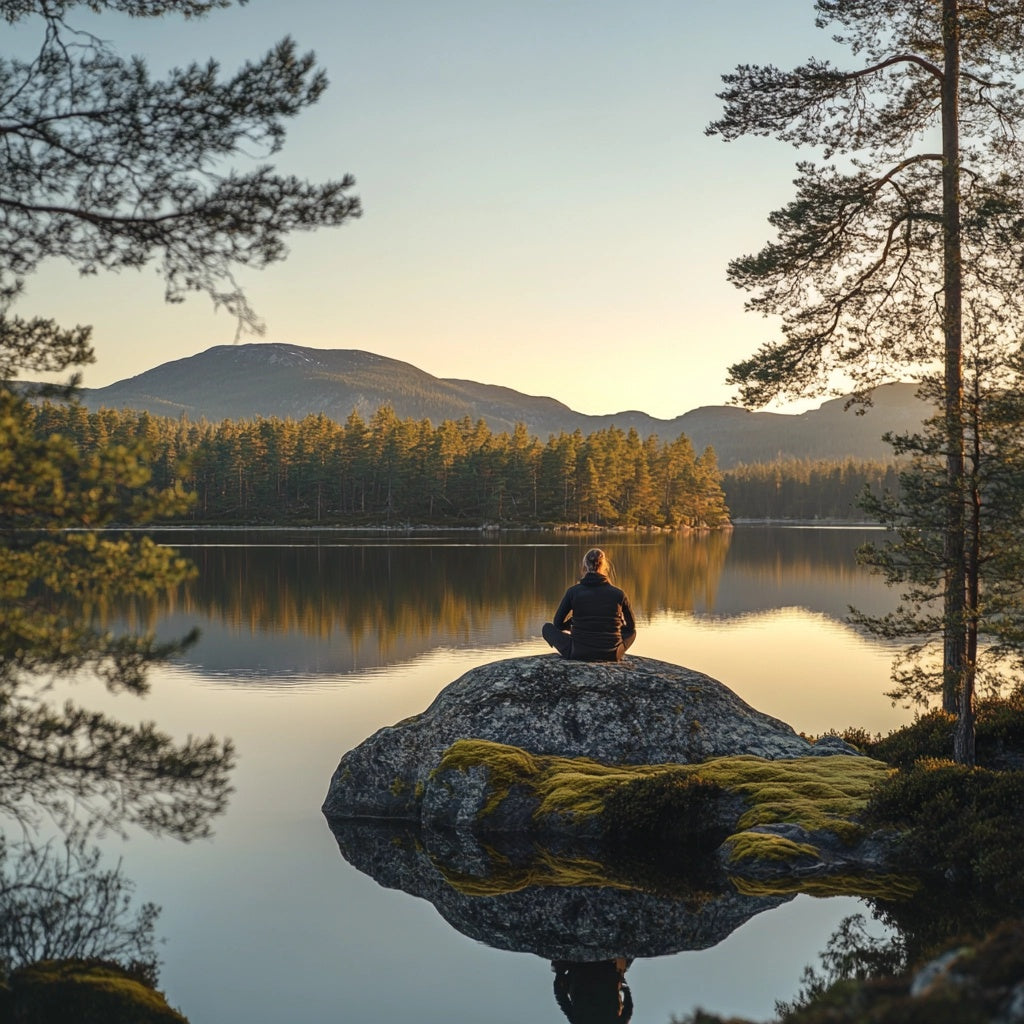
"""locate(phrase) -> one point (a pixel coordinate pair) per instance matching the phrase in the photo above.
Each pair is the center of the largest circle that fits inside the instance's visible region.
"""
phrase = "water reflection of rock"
(485, 896)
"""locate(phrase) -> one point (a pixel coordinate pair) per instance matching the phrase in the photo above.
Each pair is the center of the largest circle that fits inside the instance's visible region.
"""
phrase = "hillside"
(290, 381)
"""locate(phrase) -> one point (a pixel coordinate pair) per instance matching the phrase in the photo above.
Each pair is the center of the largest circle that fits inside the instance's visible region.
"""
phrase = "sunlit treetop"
(855, 270)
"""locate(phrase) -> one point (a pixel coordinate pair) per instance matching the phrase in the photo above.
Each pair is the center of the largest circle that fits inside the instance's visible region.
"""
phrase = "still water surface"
(313, 640)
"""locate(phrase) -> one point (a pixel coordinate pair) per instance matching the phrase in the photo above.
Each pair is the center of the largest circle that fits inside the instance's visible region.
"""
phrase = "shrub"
(929, 735)
(963, 825)
(87, 992)
(999, 740)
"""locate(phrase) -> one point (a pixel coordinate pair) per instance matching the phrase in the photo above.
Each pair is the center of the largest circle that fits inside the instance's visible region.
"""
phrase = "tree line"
(808, 488)
(393, 471)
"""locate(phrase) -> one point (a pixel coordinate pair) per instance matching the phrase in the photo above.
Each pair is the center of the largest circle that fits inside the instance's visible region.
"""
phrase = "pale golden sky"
(542, 208)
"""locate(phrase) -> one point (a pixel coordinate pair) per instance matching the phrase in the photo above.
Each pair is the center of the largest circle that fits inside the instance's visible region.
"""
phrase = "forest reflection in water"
(314, 601)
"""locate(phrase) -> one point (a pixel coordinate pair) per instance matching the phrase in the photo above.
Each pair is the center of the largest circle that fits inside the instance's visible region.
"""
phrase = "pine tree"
(108, 169)
(882, 246)
(993, 411)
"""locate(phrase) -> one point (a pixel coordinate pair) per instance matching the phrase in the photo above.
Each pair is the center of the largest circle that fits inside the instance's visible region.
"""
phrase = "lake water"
(311, 641)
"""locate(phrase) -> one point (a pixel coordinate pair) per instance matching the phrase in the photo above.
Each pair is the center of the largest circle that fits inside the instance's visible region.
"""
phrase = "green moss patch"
(547, 869)
(889, 888)
(88, 992)
(818, 793)
(673, 815)
(766, 846)
(573, 786)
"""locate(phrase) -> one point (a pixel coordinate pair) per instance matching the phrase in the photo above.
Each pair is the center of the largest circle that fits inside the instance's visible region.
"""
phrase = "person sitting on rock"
(594, 622)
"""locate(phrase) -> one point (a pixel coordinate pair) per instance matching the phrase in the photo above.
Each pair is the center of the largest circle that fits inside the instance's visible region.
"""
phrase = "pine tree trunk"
(955, 577)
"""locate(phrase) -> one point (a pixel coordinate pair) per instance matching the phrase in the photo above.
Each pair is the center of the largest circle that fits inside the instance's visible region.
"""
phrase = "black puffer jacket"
(598, 616)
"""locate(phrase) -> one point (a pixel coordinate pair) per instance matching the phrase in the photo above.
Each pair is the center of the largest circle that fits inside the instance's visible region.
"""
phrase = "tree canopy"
(914, 216)
(855, 272)
(387, 469)
(107, 167)
(110, 168)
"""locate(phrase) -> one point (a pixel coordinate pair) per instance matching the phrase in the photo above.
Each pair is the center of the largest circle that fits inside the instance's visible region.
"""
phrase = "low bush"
(961, 825)
(86, 992)
(999, 735)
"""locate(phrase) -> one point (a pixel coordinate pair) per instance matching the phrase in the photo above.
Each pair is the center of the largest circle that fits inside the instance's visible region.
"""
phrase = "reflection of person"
(594, 622)
(593, 993)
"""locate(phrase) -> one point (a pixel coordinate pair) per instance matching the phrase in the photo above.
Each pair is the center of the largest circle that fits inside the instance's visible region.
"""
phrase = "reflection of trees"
(797, 555)
(327, 601)
(674, 574)
(392, 590)
(56, 903)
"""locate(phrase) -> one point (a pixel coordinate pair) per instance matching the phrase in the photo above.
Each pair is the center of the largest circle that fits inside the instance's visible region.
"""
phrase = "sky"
(542, 208)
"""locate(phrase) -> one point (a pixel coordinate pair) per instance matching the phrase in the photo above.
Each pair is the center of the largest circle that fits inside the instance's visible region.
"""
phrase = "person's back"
(594, 621)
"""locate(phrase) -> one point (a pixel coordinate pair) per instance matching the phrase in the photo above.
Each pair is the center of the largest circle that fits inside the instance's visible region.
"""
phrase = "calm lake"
(312, 640)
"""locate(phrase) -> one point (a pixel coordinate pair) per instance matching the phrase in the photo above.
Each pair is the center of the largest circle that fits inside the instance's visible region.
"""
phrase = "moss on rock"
(888, 888)
(687, 810)
(817, 793)
(546, 869)
(814, 792)
(767, 846)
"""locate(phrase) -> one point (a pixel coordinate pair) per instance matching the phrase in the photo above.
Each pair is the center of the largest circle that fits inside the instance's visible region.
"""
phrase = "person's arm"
(628, 622)
(564, 612)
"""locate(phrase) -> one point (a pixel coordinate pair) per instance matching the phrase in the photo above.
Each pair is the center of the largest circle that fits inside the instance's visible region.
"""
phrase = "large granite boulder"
(638, 711)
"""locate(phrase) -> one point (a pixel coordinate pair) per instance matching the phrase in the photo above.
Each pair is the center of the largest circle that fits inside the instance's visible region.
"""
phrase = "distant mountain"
(270, 379)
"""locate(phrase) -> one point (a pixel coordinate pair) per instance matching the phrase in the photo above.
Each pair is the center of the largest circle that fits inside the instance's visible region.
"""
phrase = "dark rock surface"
(638, 711)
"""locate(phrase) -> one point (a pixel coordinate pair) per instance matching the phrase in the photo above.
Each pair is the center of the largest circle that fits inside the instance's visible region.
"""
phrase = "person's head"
(595, 560)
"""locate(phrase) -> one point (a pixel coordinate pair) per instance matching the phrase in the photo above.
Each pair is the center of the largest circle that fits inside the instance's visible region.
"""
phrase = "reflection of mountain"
(321, 602)
(578, 922)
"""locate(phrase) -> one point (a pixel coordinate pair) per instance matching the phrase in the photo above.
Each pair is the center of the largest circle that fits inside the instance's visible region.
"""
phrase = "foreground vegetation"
(957, 951)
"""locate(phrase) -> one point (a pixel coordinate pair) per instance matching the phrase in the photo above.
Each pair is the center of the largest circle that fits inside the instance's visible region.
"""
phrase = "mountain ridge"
(276, 379)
